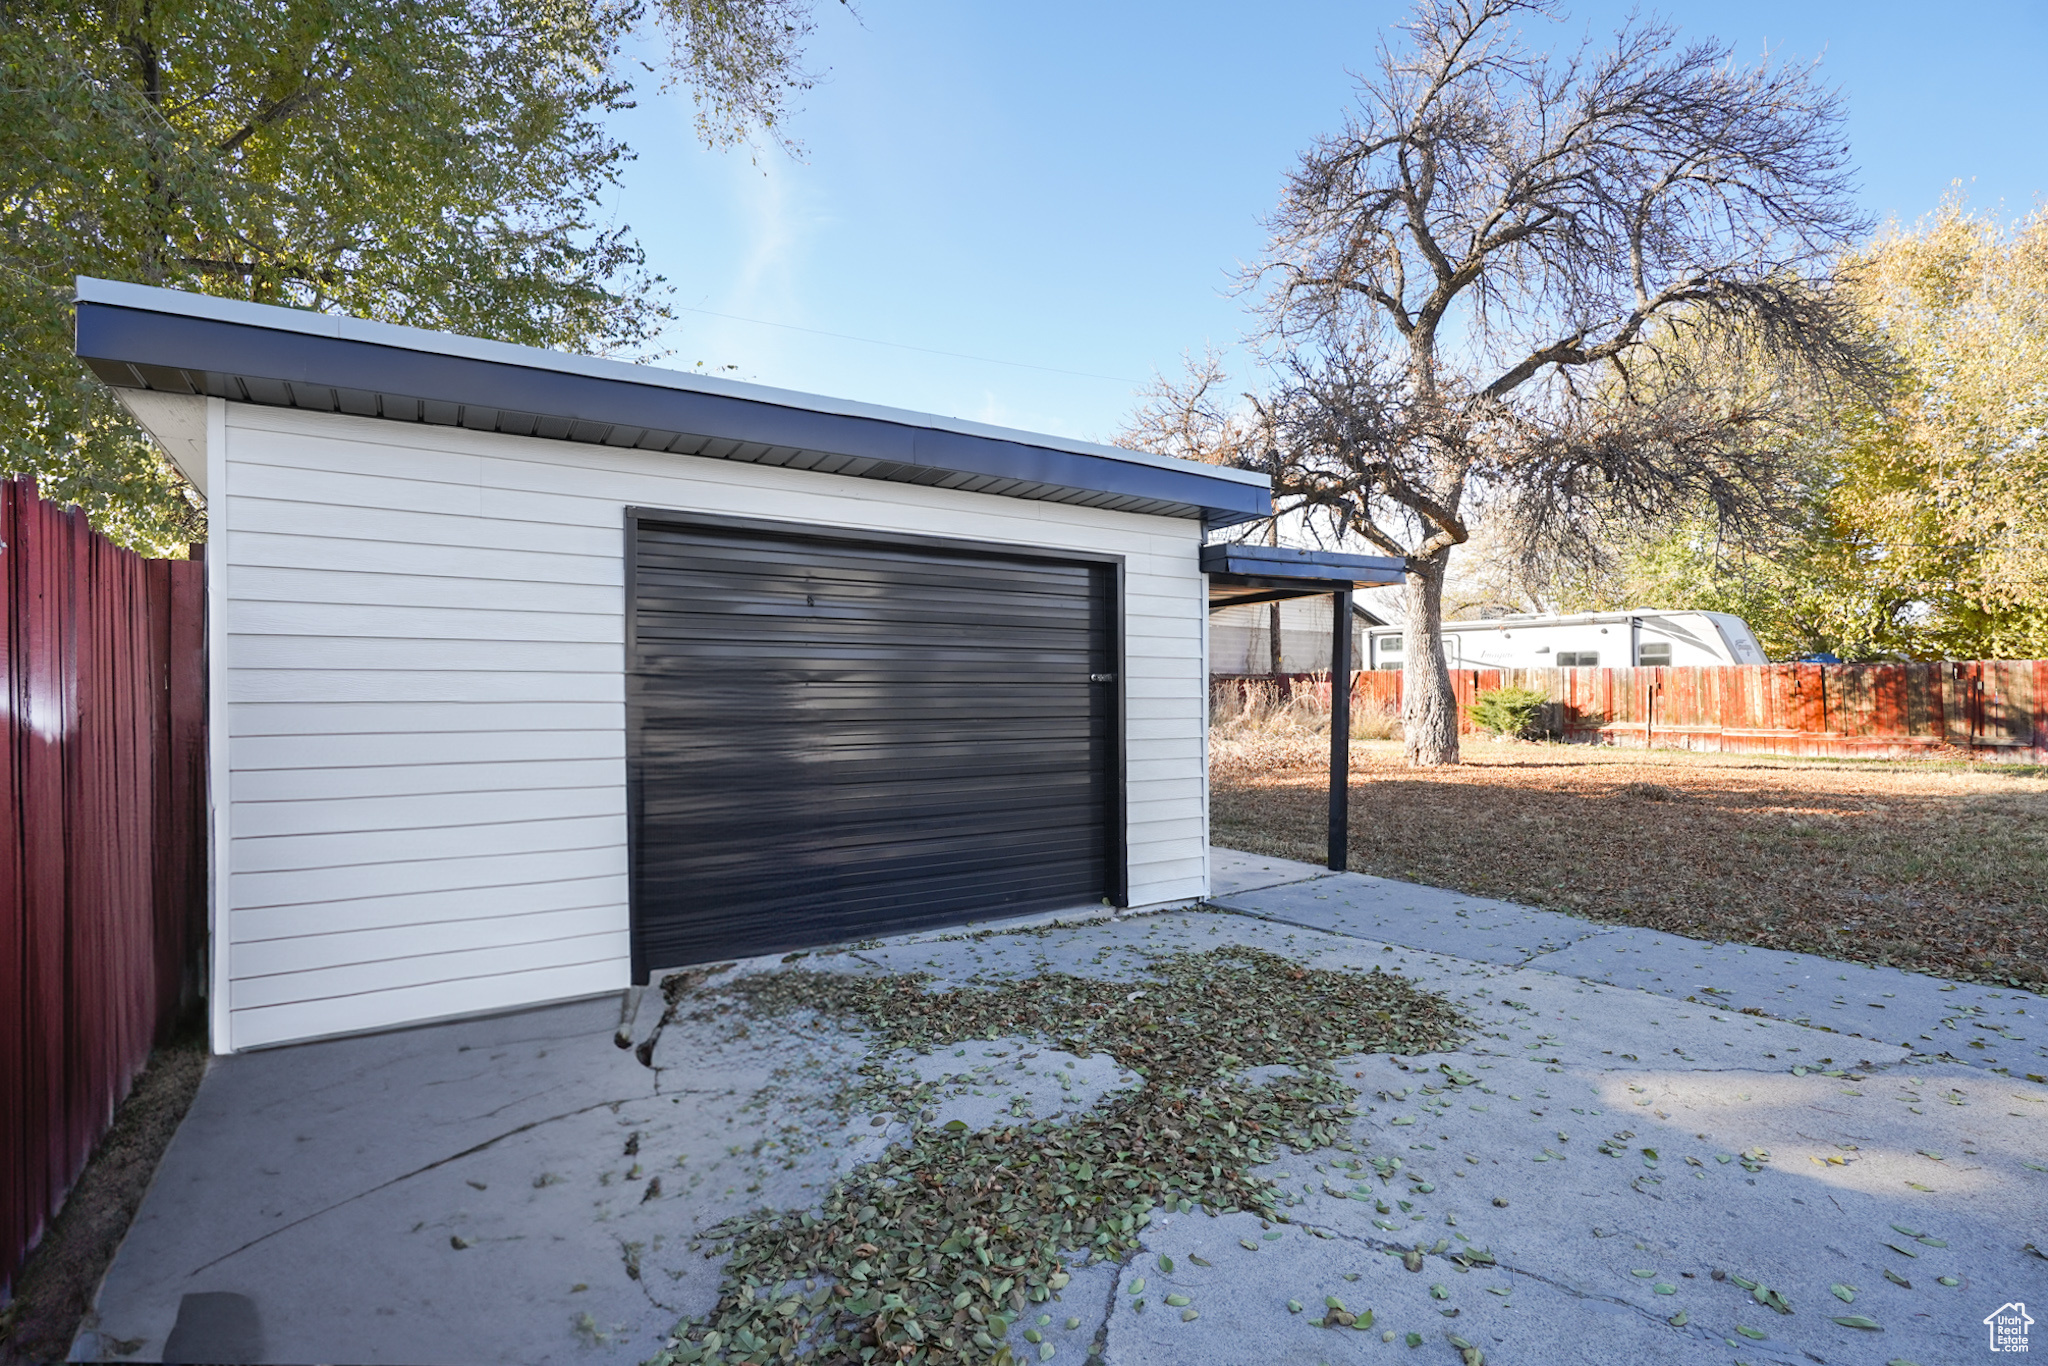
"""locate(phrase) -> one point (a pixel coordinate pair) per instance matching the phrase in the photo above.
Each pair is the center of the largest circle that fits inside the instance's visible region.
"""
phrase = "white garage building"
(533, 674)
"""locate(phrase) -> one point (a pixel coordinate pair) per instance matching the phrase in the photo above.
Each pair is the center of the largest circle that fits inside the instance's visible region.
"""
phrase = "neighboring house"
(1644, 638)
(531, 674)
(1241, 637)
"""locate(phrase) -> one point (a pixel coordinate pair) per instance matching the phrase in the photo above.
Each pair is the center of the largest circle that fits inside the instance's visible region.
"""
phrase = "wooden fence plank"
(1996, 710)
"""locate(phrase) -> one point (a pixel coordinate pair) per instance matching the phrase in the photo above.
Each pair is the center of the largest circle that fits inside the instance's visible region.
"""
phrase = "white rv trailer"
(1645, 638)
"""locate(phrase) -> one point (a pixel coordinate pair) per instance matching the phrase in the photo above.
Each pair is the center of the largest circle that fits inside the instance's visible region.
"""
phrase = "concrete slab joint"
(1646, 1147)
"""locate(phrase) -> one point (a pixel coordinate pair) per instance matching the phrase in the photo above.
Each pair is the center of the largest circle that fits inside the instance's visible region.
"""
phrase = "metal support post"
(1340, 730)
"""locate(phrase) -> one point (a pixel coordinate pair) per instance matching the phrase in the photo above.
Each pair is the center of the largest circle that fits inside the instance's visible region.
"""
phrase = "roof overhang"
(1240, 574)
(137, 337)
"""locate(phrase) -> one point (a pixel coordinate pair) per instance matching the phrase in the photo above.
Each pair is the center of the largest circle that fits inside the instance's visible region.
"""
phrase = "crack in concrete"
(486, 1051)
(499, 1110)
(1530, 962)
(636, 1272)
(1098, 1336)
(1388, 1246)
(1490, 969)
(470, 1151)
(675, 986)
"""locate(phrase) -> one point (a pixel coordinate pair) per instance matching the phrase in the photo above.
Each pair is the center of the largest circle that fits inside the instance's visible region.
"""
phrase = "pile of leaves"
(931, 1252)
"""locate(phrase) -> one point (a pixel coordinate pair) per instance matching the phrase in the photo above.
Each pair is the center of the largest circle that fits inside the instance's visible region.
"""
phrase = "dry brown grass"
(1934, 867)
(1252, 710)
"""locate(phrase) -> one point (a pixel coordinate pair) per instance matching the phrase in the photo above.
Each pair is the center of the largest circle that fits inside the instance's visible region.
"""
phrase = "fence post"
(2039, 707)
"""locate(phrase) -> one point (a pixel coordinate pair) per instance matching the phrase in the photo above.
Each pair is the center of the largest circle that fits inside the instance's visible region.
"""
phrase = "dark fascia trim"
(140, 348)
(1230, 593)
(1282, 566)
(1225, 591)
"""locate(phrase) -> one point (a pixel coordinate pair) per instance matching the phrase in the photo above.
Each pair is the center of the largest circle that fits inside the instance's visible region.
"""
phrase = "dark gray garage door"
(830, 738)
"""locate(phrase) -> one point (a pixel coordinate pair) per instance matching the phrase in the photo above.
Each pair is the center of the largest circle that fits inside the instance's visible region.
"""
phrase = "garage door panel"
(860, 721)
(732, 565)
(790, 918)
(856, 623)
(740, 595)
(832, 739)
(902, 853)
(811, 722)
(819, 602)
(837, 898)
(854, 789)
(797, 641)
(881, 773)
(812, 725)
(842, 899)
(856, 812)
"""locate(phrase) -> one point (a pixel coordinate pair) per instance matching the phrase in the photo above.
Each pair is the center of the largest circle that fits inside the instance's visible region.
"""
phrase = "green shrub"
(1508, 711)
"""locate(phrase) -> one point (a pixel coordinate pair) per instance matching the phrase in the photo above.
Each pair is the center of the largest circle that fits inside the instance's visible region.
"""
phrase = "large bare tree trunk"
(1429, 710)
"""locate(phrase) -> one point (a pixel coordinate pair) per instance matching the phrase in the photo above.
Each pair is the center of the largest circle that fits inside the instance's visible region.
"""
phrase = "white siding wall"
(422, 677)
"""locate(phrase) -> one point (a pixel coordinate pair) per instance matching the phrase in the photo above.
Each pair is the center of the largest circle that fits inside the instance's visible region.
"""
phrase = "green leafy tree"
(1921, 526)
(1949, 481)
(429, 162)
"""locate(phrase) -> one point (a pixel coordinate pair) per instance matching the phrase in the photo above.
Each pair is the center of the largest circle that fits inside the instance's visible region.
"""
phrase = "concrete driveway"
(1656, 1123)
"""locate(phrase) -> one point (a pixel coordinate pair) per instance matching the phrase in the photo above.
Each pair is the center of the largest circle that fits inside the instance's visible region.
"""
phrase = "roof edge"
(1577, 618)
(1285, 563)
(343, 327)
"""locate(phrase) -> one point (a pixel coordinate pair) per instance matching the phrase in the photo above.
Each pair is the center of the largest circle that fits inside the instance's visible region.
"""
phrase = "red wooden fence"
(102, 838)
(1985, 709)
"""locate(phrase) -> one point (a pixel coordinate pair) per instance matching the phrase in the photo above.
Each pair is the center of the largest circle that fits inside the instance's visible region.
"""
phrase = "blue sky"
(1057, 195)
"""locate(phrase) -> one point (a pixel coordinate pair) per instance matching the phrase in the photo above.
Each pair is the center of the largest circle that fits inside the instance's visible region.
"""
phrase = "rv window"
(1578, 659)
(1657, 656)
(1390, 645)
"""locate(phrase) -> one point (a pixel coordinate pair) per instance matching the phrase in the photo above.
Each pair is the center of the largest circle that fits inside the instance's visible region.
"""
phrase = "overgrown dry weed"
(1251, 710)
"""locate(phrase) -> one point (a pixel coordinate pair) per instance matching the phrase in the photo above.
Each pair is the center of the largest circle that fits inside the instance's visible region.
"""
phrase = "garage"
(832, 737)
(532, 676)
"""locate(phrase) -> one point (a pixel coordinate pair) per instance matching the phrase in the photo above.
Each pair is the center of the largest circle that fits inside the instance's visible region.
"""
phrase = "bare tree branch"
(1527, 277)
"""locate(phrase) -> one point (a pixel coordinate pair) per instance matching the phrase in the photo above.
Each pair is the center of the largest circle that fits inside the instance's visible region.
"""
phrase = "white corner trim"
(218, 944)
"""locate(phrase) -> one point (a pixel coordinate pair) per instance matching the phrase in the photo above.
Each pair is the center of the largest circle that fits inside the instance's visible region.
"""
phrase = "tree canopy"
(430, 162)
(1920, 529)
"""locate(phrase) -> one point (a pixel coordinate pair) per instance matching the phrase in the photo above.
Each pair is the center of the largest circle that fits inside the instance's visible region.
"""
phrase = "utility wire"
(901, 346)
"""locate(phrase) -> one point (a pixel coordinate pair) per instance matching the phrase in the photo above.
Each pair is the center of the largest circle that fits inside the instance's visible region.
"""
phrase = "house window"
(1657, 656)
(1578, 659)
